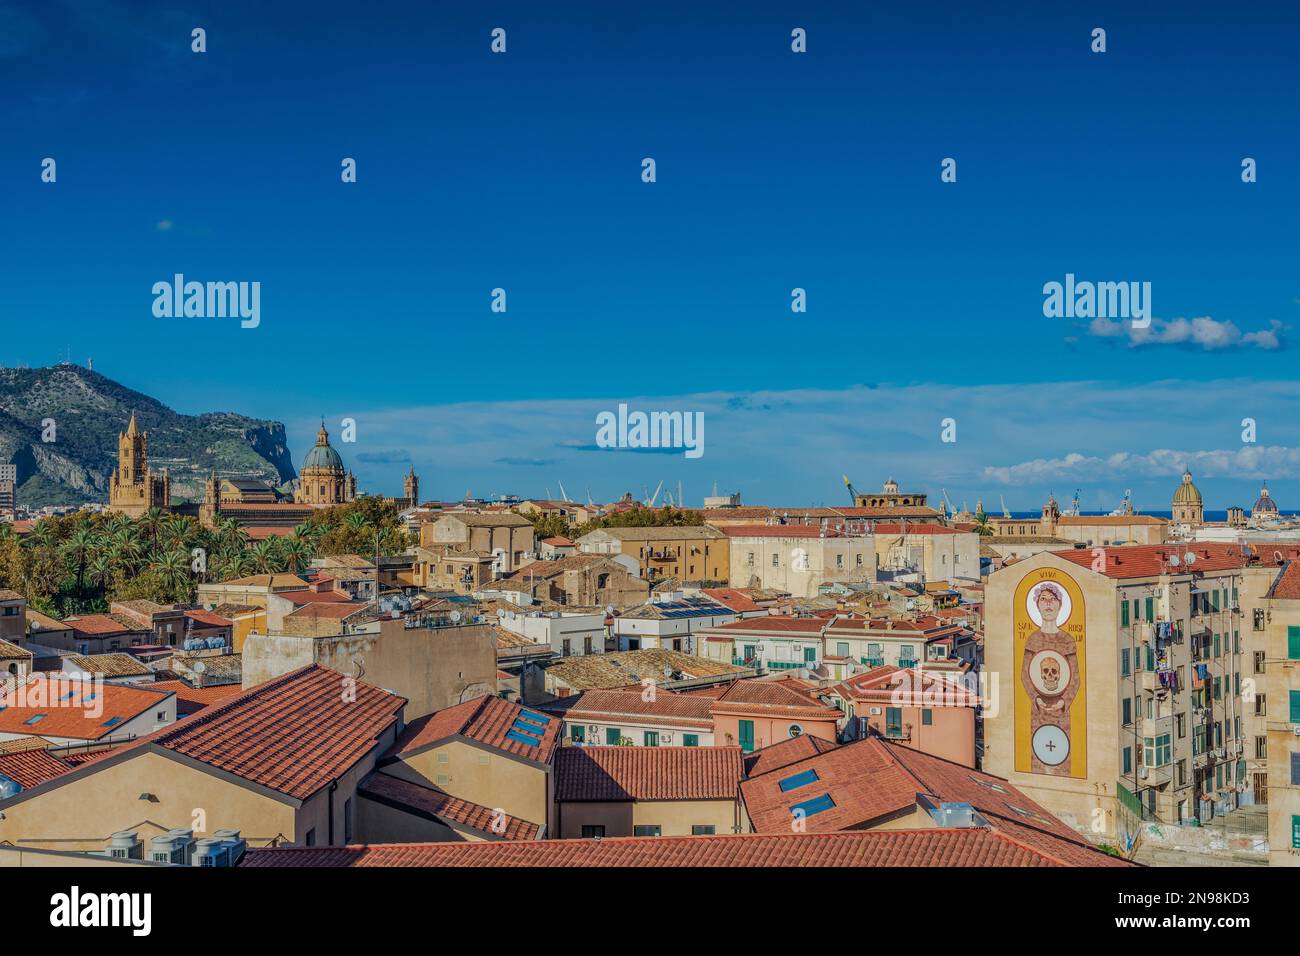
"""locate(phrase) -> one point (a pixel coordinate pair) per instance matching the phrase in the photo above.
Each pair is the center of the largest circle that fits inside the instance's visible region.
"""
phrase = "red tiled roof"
(293, 734)
(871, 781)
(335, 611)
(902, 685)
(488, 720)
(788, 751)
(783, 531)
(647, 773)
(310, 596)
(431, 801)
(31, 768)
(792, 625)
(734, 598)
(191, 700)
(1149, 560)
(919, 528)
(862, 848)
(1287, 584)
(83, 716)
(558, 542)
(773, 698)
(98, 625)
(209, 618)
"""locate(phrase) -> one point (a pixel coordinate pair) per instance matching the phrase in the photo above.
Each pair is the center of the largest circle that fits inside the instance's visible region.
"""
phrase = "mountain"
(89, 410)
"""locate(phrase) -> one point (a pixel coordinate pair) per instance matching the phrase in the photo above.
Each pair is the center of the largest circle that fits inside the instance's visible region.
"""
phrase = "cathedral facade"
(133, 488)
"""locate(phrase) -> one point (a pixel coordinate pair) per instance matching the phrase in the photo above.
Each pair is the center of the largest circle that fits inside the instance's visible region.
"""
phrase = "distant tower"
(411, 487)
(1189, 506)
(1051, 515)
(211, 507)
(132, 488)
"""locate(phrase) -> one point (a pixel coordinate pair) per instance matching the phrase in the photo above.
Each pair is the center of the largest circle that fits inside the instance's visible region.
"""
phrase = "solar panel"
(529, 729)
(532, 742)
(536, 718)
(799, 780)
(815, 805)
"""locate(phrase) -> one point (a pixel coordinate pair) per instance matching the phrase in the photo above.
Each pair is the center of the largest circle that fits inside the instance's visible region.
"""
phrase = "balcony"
(1155, 776)
(873, 661)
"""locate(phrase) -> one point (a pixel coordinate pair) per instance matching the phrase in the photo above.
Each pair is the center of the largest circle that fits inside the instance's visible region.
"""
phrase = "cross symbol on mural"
(1050, 746)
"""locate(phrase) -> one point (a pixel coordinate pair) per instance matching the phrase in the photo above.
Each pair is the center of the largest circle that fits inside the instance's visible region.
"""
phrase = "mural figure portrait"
(1050, 675)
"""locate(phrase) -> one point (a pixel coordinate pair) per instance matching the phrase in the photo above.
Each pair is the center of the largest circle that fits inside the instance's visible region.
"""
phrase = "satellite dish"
(1173, 559)
(199, 667)
(610, 609)
(1191, 559)
(455, 617)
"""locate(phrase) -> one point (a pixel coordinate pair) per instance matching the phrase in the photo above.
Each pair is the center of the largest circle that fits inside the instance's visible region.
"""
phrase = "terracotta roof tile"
(668, 708)
(431, 801)
(647, 773)
(872, 848)
(487, 720)
(771, 697)
(293, 734)
(191, 700)
(782, 754)
(31, 768)
(81, 709)
(1149, 560)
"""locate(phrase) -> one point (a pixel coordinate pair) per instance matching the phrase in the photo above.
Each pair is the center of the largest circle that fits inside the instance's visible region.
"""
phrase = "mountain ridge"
(89, 410)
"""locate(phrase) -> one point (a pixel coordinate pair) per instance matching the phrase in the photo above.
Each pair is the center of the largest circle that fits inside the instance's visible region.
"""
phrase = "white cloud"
(1204, 333)
(1248, 461)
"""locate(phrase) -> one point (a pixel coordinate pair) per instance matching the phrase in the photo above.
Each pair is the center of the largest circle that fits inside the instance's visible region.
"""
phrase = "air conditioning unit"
(876, 711)
(668, 737)
(126, 845)
(1221, 753)
(1143, 773)
(1295, 729)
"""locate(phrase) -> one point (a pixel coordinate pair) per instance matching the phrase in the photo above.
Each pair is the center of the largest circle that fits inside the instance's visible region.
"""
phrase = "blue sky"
(775, 171)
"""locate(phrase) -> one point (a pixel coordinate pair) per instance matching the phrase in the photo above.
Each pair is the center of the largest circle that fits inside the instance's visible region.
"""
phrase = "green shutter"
(1295, 833)
(1295, 706)
(747, 735)
(690, 740)
(612, 736)
(1293, 643)
(652, 738)
(1151, 612)
(1123, 614)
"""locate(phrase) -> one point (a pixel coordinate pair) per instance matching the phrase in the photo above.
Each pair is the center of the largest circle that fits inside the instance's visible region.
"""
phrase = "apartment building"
(1120, 696)
(690, 554)
(799, 559)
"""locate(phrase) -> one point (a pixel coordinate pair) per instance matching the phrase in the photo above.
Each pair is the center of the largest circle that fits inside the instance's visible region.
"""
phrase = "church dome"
(323, 456)
(1187, 493)
(1265, 504)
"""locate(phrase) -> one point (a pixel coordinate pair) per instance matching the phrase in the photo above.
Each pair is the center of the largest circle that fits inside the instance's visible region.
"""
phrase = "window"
(1123, 614)
(1128, 759)
(161, 715)
(1151, 614)
(1128, 711)
(311, 837)
(347, 820)
(652, 738)
(1123, 662)
(810, 655)
(592, 832)
(1295, 706)
(586, 645)
(1261, 748)
(893, 722)
(842, 648)
(1258, 619)
(1259, 662)
(810, 807)
(577, 734)
(750, 560)
(612, 736)
(798, 780)
(1261, 705)
(839, 562)
(776, 560)
(704, 830)
(647, 831)
(1295, 769)
(1157, 751)
(927, 717)
(690, 740)
(1293, 643)
(746, 731)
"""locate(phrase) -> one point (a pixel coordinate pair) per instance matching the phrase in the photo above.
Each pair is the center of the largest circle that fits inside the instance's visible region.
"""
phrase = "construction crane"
(853, 492)
(655, 497)
(564, 495)
(948, 510)
(1006, 513)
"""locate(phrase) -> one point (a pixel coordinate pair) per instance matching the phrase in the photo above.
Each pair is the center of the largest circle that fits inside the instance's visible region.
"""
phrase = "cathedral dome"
(323, 456)
(1265, 504)
(1187, 493)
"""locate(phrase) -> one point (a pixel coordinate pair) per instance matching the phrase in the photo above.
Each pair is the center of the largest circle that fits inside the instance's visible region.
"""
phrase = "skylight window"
(34, 720)
(520, 738)
(799, 780)
(111, 722)
(813, 806)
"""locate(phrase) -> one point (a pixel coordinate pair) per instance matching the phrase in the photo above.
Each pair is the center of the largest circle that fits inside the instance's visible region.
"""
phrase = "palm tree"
(150, 522)
(266, 558)
(78, 547)
(297, 551)
(173, 568)
(982, 524)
